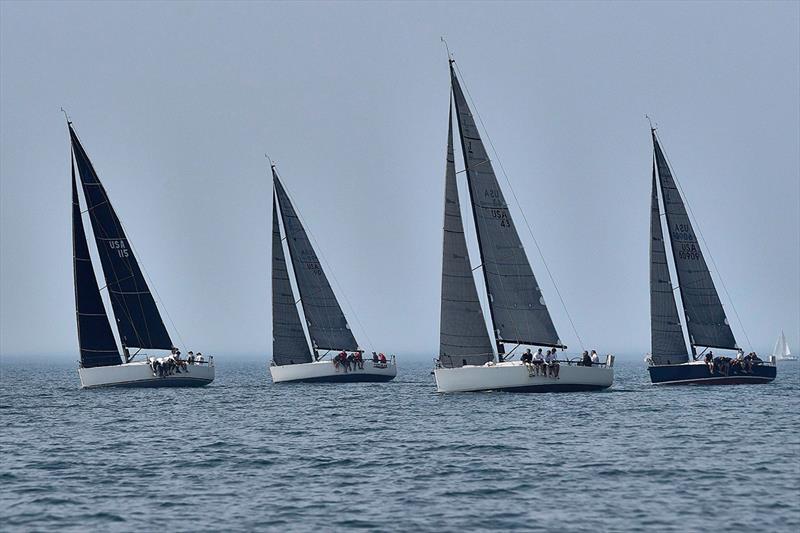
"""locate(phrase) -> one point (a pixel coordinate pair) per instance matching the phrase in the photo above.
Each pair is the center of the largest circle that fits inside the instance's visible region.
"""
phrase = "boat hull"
(140, 375)
(327, 372)
(698, 373)
(515, 376)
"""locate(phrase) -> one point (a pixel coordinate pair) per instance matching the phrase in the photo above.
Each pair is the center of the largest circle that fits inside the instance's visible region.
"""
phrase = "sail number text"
(314, 267)
(120, 247)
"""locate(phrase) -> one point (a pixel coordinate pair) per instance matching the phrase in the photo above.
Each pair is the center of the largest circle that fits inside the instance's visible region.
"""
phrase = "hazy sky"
(176, 104)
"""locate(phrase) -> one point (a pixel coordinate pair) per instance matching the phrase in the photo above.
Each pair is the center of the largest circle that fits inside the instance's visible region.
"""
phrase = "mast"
(95, 338)
(516, 304)
(289, 343)
(138, 320)
(705, 317)
(327, 325)
(462, 327)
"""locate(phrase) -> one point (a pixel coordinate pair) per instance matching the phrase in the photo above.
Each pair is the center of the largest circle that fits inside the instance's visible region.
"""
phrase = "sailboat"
(293, 358)
(781, 351)
(518, 313)
(138, 321)
(706, 322)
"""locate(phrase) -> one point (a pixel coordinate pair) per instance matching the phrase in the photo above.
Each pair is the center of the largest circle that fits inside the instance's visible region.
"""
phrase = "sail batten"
(289, 344)
(705, 317)
(95, 338)
(137, 317)
(666, 334)
(518, 311)
(463, 337)
(327, 325)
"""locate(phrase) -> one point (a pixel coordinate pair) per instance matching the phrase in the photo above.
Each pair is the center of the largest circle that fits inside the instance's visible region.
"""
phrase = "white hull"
(326, 371)
(140, 374)
(789, 358)
(516, 376)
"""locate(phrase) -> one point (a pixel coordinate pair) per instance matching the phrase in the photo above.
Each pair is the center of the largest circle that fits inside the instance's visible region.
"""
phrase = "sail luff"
(327, 325)
(666, 335)
(137, 317)
(95, 338)
(289, 344)
(705, 317)
(516, 303)
(463, 338)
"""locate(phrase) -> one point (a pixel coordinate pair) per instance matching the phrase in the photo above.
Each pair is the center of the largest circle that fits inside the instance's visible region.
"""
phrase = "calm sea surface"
(243, 454)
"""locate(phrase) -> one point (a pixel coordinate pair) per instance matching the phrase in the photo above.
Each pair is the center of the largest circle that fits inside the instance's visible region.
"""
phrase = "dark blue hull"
(694, 374)
(155, 383)
(353, 377)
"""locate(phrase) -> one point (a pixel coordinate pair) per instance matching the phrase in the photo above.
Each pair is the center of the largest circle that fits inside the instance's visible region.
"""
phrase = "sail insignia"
(517, 308)
(289, 344)
(327, 325)
(463, 337)
(95, 338)
(138, 320)
(705, 317)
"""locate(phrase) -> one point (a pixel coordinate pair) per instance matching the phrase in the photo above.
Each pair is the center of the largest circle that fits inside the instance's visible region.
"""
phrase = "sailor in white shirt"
(538, 361)
(595, 358)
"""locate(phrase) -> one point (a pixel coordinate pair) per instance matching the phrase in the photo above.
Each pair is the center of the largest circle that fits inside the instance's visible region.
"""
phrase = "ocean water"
(245, 454)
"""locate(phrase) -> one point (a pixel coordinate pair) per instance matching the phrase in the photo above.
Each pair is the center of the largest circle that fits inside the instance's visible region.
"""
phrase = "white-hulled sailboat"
(327, 326)
(517, 310)
(138, 320)
(781, 352)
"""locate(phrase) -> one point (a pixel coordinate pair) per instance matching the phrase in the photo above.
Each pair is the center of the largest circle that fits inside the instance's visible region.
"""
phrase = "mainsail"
(781, 348)
(289, 344)
(667, 343)
(462, 331)
(705, 317)
(327, 325)
(138, 320)
(517, 306)
(95, 339)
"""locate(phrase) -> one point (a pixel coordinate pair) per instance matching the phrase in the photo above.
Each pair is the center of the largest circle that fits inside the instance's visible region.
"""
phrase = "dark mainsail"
(462, 332)
(705, 317)
(517, 306)
(327, 325)
(138, 320)
(289, 344)
(666, 336)
(95, 338)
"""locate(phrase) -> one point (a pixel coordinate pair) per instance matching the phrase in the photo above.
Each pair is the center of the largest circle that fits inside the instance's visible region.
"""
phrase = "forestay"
(705, 317)
(462, 335)
(666, 335)
(138, 320)
(327, 325)
(516, 303)
(289, 344)
(95, 338)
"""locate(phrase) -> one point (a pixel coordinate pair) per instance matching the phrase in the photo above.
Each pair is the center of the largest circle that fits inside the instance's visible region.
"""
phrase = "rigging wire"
(708, 249)
(522, 211)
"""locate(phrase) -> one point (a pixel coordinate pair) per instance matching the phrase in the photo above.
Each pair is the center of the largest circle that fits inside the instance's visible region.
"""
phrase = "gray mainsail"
(289, 344)
(138, 320)
(517, 306)
(462, 328)
(327, 325)
(666, 335)
(705, 317)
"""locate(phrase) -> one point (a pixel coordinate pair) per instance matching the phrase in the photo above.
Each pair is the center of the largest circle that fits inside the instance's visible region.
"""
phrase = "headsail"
(138, 320)
(95, 339)
(517, 306)
(327, 325)
(705, 317)
(666, 335)
(462, 334)
(289, 344)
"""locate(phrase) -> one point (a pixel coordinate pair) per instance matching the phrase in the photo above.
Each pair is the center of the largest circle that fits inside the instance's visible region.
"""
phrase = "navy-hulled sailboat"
(518, 313)
(138, 320)
(327, 326)
(669, 360)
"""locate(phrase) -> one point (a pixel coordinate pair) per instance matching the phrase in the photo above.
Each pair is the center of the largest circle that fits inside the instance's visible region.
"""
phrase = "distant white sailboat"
(781, 350)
